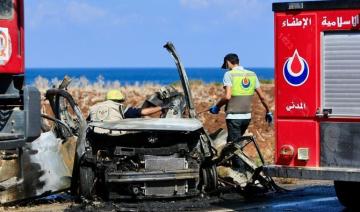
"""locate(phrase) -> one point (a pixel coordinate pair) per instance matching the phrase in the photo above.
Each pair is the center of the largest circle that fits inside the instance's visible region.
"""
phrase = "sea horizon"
(138, 75)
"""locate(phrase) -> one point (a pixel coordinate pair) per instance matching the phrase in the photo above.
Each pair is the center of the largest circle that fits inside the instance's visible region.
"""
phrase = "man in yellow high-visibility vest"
(240, 85)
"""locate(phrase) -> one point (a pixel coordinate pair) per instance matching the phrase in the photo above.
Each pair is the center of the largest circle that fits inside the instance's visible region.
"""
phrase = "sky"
(131, 33)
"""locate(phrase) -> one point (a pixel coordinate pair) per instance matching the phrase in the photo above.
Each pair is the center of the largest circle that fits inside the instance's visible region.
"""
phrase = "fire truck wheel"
(87, 179)
(347, 193)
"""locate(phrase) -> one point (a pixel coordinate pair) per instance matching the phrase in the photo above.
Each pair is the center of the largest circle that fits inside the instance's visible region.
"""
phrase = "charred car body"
(147, 161)
(48, 164)
(172, 156)
(150, 157)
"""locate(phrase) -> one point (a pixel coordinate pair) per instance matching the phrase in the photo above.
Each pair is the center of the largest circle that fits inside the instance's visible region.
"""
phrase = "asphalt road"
(302, 196)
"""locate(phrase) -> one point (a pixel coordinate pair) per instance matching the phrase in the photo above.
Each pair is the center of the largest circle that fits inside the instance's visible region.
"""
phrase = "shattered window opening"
(6, 9)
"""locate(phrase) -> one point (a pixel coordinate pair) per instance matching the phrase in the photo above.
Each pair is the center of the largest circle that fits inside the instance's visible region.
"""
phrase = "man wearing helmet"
(113, 109)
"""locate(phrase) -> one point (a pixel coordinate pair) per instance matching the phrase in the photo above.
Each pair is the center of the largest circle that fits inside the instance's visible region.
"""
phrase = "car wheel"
(87, 179)
(347, 193)
(209, 178)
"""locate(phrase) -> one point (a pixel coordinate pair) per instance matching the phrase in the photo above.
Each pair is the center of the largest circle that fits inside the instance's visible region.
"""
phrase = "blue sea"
(129, 76)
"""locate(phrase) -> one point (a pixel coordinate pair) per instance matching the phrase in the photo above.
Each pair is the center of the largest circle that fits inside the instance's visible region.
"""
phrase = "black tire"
(209, 178)
(86, 181)
(203, 180)
(347, 193)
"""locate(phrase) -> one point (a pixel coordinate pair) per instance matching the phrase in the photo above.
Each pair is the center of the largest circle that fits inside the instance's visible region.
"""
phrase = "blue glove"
(214, 109)
(269, 117)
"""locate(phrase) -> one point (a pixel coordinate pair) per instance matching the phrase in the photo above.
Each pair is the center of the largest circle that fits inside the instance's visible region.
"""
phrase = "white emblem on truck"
(5, 46)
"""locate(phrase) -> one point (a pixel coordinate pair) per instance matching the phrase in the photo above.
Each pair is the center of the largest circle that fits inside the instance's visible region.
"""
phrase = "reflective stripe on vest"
(242, 91)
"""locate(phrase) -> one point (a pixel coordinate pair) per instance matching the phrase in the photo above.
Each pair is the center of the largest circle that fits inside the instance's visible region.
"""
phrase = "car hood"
(152, 124)
(183, 78)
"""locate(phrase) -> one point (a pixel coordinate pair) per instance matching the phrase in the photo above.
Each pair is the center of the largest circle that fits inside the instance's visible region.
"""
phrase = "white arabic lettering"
(306, 21)
(298, 106)
(296, 22)
(340, 22)
(355, 20)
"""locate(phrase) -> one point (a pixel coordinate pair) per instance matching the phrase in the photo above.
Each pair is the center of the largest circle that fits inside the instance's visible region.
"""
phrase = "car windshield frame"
(6, 9)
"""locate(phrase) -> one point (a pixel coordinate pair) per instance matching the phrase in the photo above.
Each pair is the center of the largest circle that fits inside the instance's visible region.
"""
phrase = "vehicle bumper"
(152, 184)
(316, 173)
(152, 176)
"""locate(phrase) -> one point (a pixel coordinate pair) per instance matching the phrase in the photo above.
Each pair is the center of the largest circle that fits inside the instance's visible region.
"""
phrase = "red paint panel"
(298, 134)
(296, 62)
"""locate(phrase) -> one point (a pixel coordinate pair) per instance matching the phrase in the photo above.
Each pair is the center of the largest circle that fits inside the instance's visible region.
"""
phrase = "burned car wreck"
(47, 164)
(150, 157)
(171, 156)
(154, 158)
(167, 157)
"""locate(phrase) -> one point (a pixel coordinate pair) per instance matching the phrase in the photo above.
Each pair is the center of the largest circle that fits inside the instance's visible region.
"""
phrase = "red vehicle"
(19, 105)
(317, 83)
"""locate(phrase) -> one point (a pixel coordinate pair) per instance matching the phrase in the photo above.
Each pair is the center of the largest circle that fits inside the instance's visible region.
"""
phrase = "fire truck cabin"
(317, 84)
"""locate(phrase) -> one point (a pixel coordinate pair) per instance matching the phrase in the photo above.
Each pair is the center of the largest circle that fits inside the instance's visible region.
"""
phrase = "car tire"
(347, 193)
(87, 179)
(209, 178)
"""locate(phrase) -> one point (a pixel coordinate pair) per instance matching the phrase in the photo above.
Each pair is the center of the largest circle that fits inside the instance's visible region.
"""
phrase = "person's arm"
(150, 110)
(134, 112)
(225, 98)
(262, 99)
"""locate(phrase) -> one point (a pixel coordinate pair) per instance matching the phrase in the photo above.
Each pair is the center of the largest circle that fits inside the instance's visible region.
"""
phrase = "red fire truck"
(317, 92)
(19, 104)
